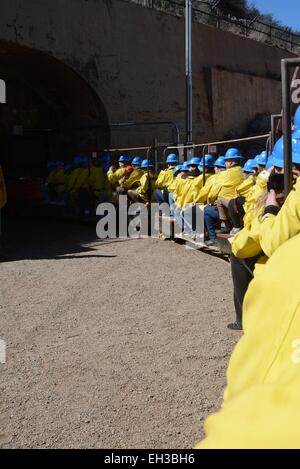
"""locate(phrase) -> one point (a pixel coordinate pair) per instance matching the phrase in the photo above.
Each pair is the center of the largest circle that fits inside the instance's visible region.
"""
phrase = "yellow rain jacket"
(254, 194)
(178, 187)
(165, 178)
(143, 189)
(275, 230)
(51, 176)
(71, 179)
(133, 180)
(200, 192)
(97, 179)
(226, 184)
(245, 187)
(175, 183)
(3, 194)
(81, 181)
(261, 406)
(115, 176)
(58, 178)
(185, 193)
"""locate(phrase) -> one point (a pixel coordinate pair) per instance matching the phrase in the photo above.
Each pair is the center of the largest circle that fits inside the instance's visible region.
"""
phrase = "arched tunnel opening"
(51, 113)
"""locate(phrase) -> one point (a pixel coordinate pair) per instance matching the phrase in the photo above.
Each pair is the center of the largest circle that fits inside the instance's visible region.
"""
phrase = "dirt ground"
(110, 344)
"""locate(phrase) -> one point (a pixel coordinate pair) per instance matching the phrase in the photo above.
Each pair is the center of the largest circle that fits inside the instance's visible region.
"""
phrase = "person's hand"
(271, 199)
(296, 173)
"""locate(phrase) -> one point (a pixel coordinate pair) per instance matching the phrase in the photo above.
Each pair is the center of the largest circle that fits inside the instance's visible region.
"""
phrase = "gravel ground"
(110, 344)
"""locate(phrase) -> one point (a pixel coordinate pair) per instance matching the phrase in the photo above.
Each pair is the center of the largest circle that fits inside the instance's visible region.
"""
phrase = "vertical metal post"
(287, 131)
(155, 148)
(188, 73)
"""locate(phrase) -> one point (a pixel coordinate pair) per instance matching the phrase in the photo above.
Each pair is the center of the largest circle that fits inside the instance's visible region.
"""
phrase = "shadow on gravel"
(39, 237)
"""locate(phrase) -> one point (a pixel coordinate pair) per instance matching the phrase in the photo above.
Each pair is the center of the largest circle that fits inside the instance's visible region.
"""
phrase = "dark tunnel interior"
(51, 113)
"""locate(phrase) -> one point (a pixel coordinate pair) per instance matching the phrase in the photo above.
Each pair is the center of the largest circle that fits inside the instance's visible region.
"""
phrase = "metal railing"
(254, 28)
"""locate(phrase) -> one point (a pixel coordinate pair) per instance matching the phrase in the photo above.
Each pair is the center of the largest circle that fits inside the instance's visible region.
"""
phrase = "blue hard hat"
(249, 166)
(261, 159)
(105, 157)
(77, 159)
(51, 164)
(279, 163)
(209, 161)
(185, 166)
(278, 150)
(124, 159)
(137, 161)
(172, 158)
(195, 161)
(220, 162)
(233, 154)
(296, 158)
(269, 162)
(177, 168)
(59, 163)
(145, 165)
(68, 168)
(85, 160)
(297, 119)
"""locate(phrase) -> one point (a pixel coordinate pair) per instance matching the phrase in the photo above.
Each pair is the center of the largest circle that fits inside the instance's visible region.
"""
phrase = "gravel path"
(112, 344)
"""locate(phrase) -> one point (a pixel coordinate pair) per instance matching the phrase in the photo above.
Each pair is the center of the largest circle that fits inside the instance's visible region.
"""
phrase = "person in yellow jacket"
(235, 206)
(190, 213)
(280, 224)
(184, 196)
(181, 172)
(145, 191)
(261, 407)
(224, 188)
(52, 167)
(54, 184)
(98, 183)
(165, 179)
(134, 178)
(114, 175)
(246, 247)
(130, 180)
(81, 181)
(3, 195)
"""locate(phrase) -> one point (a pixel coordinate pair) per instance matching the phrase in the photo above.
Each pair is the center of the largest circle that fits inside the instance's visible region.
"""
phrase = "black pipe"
(274, 119)
(287, 132)
(135, 124)
(116, 124)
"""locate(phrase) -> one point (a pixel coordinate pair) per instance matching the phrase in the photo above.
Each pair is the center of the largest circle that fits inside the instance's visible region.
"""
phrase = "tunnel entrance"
(50, 113)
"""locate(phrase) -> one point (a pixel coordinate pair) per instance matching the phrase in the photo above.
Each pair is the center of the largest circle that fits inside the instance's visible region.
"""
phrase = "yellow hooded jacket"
(225, 184)
(261, 406)
(81, 181)
(165, 178)
(71, 179)
(115, 176)
(51, 176)
(143, 189)
(200, 192)
(275, 230)
(133, 180)
(185, 191)
(245, 187)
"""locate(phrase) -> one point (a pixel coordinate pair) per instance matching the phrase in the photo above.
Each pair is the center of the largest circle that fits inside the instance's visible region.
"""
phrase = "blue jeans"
(171, 203)
(211, 218)
(159, 196)
(178, 217)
